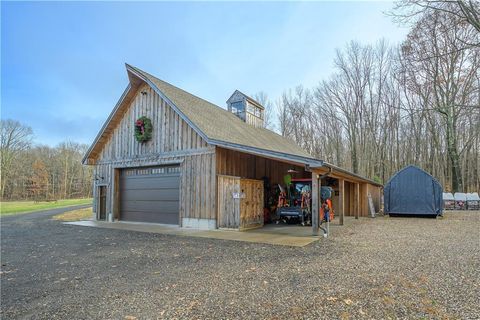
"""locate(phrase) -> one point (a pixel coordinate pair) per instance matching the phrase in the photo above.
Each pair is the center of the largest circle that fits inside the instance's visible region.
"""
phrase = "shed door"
(251, 203)
(102, 205)
(240, 202)
(150, 194)
(229, 194)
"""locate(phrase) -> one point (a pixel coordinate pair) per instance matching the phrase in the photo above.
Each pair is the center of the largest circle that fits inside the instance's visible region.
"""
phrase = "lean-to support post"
(315, 203)
(356, 199)
(341, 200)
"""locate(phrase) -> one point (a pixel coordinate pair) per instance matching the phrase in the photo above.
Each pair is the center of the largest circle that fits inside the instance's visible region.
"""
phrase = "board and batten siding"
(248, 166)
(170, 132)
(173, 142)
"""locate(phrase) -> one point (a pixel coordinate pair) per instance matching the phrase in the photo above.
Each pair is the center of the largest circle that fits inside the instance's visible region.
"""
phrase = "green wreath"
(143, 129)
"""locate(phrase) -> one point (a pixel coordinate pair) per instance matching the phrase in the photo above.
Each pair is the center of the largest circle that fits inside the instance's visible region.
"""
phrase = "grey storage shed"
(413, 191)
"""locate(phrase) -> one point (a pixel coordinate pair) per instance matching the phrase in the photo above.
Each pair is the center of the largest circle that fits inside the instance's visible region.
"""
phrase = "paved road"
(373, 268)
(38, 215)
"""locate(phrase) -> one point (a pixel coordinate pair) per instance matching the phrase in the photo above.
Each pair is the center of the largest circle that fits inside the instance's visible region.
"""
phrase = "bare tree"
(467, 11)
(386, 107)
(262, 98)
(41, 172)
(294, 110)
(39, 180)
(443, 76)
(14, 138)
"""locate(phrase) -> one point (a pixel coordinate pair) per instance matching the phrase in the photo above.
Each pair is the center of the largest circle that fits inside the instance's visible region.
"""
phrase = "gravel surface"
(383, 268)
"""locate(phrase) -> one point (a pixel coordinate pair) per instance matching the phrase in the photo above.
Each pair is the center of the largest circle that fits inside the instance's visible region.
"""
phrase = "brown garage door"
(150, 194)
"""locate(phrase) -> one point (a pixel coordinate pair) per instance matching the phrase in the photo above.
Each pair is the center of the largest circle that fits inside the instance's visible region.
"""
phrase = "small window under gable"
(258, 112)
(250, 108)
(237, 107)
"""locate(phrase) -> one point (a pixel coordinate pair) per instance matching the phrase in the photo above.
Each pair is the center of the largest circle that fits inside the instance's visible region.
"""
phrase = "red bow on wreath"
(139, 124)
(143, 129)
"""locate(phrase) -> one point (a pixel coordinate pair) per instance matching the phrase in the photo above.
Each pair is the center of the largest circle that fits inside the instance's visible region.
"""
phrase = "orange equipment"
(327, 207)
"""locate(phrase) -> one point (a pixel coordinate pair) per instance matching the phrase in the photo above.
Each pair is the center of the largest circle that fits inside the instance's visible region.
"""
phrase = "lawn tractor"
(295, 202)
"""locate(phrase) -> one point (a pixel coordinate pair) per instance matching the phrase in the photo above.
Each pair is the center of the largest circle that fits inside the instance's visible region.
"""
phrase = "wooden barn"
(202, 166)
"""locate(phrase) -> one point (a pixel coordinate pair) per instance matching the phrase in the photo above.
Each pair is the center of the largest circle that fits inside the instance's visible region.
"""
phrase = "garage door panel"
(150, 194)
(155, 207)
(147, 183)
(166, 218)
(155, 194)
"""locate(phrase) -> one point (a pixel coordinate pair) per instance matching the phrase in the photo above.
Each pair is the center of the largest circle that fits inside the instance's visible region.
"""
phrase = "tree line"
(388, 106)
(40, 172)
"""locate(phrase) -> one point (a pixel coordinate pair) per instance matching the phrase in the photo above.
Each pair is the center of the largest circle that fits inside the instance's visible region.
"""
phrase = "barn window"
(143, 171)
(175, 169)
(238, 107)
(129, 172)
(158, 170)
(250, 109)
(258, 112)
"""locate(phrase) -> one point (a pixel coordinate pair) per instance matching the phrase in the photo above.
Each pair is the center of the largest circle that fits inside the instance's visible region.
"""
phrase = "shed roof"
(412, 167)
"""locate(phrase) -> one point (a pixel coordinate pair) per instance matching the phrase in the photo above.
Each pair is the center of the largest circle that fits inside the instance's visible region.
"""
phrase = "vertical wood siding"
(253, 120)
(170, 132)
(234, 163)
(173, 141)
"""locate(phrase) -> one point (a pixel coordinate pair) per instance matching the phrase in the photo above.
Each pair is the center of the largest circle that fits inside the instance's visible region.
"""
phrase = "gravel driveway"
(373, 268)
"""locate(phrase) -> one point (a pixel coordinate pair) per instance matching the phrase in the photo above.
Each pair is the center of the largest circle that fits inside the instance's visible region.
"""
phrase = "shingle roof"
(217, 124)
(219, 127)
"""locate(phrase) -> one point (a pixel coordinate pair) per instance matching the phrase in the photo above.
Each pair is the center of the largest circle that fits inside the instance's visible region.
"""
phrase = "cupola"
(246, 108)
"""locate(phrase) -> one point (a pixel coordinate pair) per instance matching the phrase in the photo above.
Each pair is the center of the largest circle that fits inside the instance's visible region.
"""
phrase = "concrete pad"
(293, 236)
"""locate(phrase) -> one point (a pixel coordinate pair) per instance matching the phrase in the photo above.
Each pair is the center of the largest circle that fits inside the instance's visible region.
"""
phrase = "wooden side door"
(228, 200)
(102, 203)
(251, 204)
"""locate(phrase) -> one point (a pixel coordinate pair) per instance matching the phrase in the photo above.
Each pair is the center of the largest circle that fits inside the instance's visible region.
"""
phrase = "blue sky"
(62, 64)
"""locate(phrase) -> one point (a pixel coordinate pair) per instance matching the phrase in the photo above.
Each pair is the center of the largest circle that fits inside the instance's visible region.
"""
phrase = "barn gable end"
(174, 143)
(170, 132)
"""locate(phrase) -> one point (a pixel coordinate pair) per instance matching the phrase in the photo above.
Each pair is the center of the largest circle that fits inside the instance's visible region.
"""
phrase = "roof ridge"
(414, 167)
(178, 88)
(249, 97)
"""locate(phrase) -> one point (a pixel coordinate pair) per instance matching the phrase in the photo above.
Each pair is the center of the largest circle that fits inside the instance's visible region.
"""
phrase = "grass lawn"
(14, 207)
(75, 215)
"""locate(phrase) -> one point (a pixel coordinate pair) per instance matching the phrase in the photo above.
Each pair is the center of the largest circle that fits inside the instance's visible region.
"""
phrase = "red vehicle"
(294, 204)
